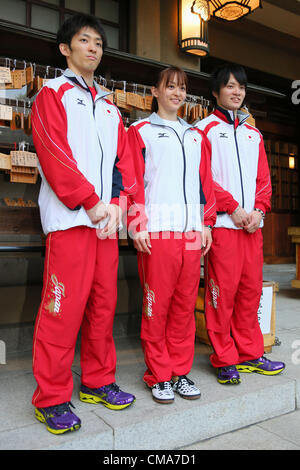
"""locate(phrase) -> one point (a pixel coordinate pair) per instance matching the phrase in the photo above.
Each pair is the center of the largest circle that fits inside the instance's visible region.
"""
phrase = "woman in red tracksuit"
(172, 163)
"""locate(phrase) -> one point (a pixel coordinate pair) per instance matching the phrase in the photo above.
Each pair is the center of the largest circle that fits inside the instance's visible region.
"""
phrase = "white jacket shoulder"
(140, 122)
(205, 124)
(56, 83)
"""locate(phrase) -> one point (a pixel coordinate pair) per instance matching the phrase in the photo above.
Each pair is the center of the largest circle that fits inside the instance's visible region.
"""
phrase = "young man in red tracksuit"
(86, 170)
(234, 264)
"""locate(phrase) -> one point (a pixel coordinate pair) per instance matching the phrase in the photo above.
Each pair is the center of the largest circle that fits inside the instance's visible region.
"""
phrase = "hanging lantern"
(193, 16)
(291, 161)
(231, 10)
(192, 26)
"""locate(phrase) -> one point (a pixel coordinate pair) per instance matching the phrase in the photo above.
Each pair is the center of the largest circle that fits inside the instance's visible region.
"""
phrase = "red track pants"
(80, 290)
(233, 275)
(170, 279)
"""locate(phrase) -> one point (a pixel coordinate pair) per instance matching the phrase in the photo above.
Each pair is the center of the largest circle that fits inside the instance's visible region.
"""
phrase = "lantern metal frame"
(197, 45)
(218, 5)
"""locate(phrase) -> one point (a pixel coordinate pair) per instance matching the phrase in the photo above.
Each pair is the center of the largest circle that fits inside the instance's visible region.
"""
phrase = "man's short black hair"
(75, 23)
(221, 75)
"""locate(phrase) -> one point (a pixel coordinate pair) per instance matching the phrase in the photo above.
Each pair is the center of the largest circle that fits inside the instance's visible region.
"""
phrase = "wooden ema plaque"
(135, 100)
(6, 112)
(15, 79)
(23, 167)
(18, 80)
(121, 100)
(35, 85)
(5, 161)
(5, 75)
(17, 121)
(148, 102)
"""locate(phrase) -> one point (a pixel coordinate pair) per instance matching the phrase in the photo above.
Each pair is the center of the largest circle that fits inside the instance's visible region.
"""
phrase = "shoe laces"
(263, 358)
(60, 409)
(164, 386)
(114, 388)
(184, 380)
(228, 368)
(184, 383)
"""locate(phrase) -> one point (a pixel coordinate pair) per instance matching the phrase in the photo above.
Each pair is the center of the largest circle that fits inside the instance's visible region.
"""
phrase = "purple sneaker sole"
(262, 365)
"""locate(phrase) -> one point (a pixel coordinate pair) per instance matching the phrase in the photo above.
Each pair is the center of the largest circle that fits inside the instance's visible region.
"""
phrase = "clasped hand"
(142, 241)
(100, 212)
(247, 221)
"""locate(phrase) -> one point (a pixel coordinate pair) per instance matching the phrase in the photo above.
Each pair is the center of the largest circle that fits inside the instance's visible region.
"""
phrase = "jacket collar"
(228, 116)
(154, 118)
(78, 80)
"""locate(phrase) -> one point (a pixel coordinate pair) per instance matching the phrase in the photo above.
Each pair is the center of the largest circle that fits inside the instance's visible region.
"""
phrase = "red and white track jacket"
(83, 152)
(173, 177)
(239, 165)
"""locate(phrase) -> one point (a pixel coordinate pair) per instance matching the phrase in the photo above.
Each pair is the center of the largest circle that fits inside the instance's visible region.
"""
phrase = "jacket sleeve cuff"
(210, 222)
(232, 206)
(121, 202)
(261, 207)
(90, 201)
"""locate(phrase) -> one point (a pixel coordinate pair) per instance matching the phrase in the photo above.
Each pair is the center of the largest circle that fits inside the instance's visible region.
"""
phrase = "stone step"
(145, 425)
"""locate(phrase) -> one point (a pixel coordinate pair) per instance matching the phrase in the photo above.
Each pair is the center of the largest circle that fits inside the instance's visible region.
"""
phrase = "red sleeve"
(224, 199)
(137, 219)
(49, 131)
(263, 181)
(124, 179)
(207, 182)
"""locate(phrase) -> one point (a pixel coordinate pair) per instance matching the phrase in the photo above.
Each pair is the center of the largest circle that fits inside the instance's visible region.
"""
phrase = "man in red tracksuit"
(86, 169)
(234, 263)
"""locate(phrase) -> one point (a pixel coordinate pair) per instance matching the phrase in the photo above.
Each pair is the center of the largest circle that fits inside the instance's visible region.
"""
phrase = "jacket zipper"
(240, 169)
(184, 169)
(184, 177)
(99, 141)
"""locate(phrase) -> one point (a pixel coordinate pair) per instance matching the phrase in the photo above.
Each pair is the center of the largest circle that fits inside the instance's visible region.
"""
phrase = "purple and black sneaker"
(58, 418)
(262, 365)
(110, 395)
(228, 375)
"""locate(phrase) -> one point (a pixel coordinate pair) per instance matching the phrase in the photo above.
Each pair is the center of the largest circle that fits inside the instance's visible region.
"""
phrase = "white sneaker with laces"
(186, 388)
(162, 392)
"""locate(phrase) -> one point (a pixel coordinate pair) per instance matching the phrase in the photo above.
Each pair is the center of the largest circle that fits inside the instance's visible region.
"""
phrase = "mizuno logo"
(162, 134)
(79, 101)
(223, 134)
